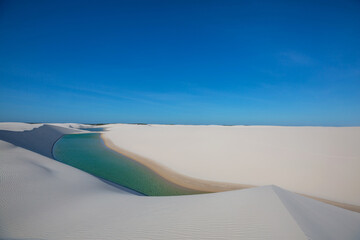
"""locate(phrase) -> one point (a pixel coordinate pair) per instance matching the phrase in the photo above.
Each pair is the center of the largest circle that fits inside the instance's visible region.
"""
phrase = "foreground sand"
(41, 198)
(322, 162)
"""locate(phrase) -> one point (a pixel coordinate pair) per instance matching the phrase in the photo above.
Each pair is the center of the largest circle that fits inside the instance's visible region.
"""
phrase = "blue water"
(93, 129)
(89, 153)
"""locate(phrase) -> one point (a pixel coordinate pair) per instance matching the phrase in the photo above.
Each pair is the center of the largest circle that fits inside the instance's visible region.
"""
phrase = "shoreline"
(174, 177)
(199, 184)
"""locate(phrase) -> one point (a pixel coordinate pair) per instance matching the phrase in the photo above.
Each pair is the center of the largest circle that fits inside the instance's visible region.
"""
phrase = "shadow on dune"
(39, 140)
(22, 239)
(125, 189)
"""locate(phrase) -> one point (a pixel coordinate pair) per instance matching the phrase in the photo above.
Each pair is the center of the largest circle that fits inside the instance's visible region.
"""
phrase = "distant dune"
(323, 162)
(41, 198)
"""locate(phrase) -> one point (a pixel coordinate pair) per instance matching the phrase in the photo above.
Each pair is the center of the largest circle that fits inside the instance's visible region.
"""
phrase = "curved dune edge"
(337, 204)
(199, 184)
(174, 177)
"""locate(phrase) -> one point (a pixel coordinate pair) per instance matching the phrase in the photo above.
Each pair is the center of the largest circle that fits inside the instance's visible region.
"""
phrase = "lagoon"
(89, 153)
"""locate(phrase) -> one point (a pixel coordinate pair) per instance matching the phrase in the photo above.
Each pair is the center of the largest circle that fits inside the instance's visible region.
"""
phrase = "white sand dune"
(41, 198)
(40, 139)
(19, 127)
(323, 162)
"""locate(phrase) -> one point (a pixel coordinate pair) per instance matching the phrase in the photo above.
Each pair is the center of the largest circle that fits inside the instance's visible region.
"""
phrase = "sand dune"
(323, 162)
(39, 139)
(44, 199)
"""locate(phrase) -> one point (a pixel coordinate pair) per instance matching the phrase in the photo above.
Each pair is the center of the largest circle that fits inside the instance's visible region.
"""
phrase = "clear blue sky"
(181, 62)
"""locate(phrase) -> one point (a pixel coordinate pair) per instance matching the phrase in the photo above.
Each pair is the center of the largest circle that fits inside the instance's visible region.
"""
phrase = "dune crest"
(39, 139)
(322, 162)
(45, 199)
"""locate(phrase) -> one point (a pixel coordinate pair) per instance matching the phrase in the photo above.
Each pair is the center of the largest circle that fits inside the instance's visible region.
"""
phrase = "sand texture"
(41, 198)
(322, 162)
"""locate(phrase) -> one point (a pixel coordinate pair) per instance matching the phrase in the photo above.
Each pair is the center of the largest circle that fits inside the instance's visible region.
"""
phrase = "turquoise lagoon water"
(89, 153)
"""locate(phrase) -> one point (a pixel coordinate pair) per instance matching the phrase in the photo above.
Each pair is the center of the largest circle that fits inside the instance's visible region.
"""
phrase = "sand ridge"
(41, 198)
(173, 176)
(199, 184)
(322, 162)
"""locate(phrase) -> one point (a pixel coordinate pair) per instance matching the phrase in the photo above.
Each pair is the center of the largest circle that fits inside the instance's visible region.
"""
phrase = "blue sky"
(181, 62)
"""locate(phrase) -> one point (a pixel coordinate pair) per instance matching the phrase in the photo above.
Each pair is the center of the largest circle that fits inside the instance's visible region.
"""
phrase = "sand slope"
(39, 139)
(318, 220)
(318, 161)
(41, 198)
